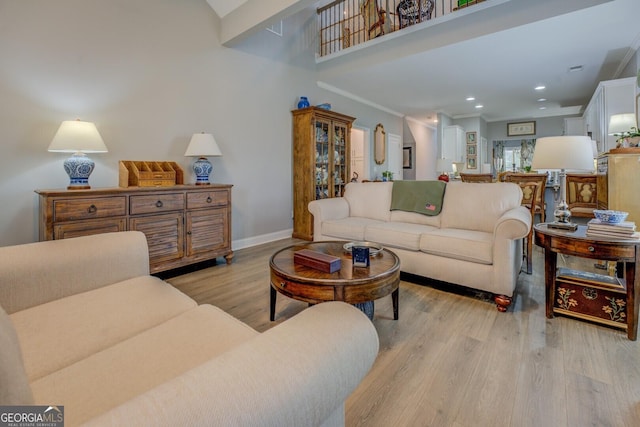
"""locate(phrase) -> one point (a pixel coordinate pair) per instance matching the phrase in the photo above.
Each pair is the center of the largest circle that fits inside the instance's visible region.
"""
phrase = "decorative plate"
(374, 248)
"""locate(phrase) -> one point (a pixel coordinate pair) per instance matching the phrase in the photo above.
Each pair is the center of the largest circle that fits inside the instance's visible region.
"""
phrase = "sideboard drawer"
(75, 209)
(207, 199)
(590, 250)
(155, 203)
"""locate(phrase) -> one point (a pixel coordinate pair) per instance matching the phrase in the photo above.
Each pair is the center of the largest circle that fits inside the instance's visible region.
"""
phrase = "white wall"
(426, 151)
(150, 73)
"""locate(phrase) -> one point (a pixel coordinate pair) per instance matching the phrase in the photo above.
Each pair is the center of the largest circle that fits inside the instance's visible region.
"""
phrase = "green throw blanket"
(424, 197)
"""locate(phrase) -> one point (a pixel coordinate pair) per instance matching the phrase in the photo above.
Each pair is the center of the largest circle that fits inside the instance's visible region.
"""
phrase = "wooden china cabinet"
(321, 148)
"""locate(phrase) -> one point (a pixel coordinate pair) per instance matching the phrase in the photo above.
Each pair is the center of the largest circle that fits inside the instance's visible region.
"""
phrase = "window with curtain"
(512, 158)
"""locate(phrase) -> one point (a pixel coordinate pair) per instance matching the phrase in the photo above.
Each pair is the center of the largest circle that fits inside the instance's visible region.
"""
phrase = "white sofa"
(83, 325)
(475, 240)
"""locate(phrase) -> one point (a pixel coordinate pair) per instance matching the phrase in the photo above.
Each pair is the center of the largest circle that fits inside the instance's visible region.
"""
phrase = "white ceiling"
(496, 53)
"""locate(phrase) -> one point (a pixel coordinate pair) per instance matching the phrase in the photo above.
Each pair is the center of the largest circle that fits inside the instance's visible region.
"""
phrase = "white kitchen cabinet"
(610, 97)
(453, 143)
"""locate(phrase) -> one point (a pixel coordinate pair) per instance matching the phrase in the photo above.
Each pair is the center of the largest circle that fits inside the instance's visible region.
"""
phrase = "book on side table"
(623, 230)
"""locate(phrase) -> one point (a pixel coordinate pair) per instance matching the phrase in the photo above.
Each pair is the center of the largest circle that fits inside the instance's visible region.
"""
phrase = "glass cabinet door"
(340, 168)
(322, 161)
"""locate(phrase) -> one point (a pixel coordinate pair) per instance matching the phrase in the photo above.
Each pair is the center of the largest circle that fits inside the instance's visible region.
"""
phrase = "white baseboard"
(259, 240)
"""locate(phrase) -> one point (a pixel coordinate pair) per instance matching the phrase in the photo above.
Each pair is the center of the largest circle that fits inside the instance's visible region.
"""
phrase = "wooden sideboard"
(184, 224)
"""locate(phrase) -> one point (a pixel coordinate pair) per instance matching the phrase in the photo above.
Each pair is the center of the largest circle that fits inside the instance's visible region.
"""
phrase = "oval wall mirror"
(379, 146)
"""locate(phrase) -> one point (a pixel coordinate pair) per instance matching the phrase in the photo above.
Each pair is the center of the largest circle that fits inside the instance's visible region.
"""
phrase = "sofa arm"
(298, 373)
(513, 224)
(326, 209)
(36, 273)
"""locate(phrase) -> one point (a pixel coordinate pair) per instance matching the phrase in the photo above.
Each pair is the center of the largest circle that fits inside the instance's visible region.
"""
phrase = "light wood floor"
(453, 360)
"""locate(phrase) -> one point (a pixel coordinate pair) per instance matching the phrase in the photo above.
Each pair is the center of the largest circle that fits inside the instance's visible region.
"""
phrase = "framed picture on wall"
(471, 162)
(407, 158)
(471, 137)
(521, 128)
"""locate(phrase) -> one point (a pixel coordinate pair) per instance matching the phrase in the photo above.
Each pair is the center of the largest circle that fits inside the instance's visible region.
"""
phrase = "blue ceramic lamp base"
(78, 167)
(202, 168)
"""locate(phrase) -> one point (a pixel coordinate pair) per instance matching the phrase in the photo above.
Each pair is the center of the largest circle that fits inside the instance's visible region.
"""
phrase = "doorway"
(360, 154)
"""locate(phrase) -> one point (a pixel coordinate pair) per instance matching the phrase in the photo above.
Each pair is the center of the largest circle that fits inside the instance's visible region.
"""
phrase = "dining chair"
(530, 190)
(502, 175)
(582, 194)
(540, 205)
(476, 177)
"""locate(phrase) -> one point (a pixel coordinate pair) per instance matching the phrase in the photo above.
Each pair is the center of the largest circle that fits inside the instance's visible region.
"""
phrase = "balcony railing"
(347, 23)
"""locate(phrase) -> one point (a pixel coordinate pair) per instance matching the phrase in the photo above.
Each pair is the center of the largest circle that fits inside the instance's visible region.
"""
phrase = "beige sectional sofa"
(475, 240)
(84, 325)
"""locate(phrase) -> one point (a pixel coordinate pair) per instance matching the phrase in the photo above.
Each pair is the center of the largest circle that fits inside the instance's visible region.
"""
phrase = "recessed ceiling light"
(542, 99)
(479, 106)
(543, 108)
(540, 87)
(470, 98)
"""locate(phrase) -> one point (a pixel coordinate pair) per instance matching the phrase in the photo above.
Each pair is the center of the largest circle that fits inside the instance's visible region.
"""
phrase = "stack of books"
(623, 230)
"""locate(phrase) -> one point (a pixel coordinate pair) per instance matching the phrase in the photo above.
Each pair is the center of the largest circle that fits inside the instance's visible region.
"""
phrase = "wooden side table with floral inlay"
(598, 298)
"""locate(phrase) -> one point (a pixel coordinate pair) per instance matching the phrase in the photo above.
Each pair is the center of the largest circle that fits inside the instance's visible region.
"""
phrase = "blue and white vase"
(304, 102)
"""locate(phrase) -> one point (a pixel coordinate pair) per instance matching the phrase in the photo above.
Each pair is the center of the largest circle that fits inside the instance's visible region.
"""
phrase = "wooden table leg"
(632, 275)
(272, 303)
(394, 300)
(550, 263)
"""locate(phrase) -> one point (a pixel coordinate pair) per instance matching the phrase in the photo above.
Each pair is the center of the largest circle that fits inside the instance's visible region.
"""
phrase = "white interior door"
(357, 155)
(395, 155)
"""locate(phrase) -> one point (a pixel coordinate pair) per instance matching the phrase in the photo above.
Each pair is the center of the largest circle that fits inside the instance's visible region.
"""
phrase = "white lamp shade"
(202, 145)
(444, 165)
(571, 153)
(75, 136)
(619, 123)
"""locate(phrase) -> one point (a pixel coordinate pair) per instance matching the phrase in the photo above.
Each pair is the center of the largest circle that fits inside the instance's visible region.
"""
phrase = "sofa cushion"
(14, 386)
(478, 206)
(397, 234)
(117, 374)
(467, 245)
(369, 199)
(29, 269)
(72, 328)
(415, 218)
(350, 228)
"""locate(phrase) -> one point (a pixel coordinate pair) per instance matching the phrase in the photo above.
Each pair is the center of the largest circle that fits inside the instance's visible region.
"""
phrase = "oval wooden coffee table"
(354, 285)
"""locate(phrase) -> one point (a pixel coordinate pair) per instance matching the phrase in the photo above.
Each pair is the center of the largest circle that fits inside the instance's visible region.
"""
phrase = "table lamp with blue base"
(78, 137)
(201, 146)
